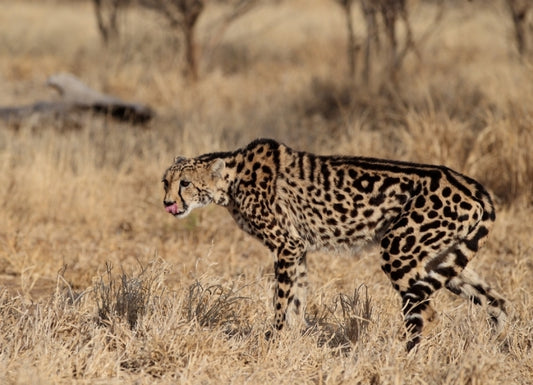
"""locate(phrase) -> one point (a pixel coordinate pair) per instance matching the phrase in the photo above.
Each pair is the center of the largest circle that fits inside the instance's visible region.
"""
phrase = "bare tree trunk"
(369, 8)
(389, 14)
(519, 10)
(191, 53)
(352, 47)
(191, 9)
(106, 12)
(352, 44)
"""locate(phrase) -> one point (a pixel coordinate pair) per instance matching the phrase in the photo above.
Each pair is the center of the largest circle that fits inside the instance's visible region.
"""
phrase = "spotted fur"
(428, 220)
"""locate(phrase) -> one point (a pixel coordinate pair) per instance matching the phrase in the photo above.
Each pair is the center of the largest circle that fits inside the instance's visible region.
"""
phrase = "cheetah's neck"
(222, 194)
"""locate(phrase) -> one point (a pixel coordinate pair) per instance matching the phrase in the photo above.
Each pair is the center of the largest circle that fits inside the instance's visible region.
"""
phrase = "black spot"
(387, 183)
(409, 243)
(377, 200)
(460, 258)
(429, 226)
(420, 201)
(398, 274)
(365, 183)
(368, 213)
(432, 214)
(331, 221)
(422, 255)
(482, 291)
(396, 264)
(417, 217)
(437, 203)
(465, 205)
(267, 170)
(281, 293)
(449, 213)
(421, 290)
(401, 198)
(446, 192)
(435, 178)
(240, 166)
(325, 174)
(406, 187)
(385, 243)
(250, 157)
(340, 197)
(487, 215)
(401, 223)
(340, 178)
(473, 243)
(448, 272)
(352, 173)
(456, 198)
(433, 282)
(282, 263)
(386, 268)
(283, 278)
(340, 208)
(436, 238)
(385, 256)
(395, 246)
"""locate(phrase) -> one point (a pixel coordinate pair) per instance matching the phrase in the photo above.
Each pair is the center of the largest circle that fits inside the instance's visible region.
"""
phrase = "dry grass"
(99, 285)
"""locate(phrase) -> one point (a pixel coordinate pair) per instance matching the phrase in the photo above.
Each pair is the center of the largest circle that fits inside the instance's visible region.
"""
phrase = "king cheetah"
(429, 221)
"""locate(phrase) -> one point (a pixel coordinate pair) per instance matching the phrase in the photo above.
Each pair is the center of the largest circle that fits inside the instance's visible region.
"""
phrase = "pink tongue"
(172, 209)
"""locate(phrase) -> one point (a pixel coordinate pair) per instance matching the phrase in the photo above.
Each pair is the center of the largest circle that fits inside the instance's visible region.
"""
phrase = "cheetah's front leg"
(291, 284)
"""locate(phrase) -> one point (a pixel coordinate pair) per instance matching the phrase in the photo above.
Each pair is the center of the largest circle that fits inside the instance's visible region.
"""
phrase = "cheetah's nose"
(173, 209)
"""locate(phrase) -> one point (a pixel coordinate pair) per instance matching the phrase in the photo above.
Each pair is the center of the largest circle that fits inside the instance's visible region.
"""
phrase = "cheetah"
(428, 221)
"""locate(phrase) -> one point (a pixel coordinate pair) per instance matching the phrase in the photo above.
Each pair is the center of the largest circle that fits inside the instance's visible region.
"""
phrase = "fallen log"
(75, 95)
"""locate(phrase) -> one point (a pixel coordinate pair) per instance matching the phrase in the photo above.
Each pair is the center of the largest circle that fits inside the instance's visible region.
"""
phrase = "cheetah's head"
(190, 183)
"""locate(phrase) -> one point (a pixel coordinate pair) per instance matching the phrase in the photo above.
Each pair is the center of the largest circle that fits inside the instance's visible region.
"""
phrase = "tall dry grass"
(99, 285)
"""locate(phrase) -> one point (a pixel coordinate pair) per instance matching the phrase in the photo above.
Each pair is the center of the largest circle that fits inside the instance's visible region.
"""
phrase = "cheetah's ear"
(216, 167)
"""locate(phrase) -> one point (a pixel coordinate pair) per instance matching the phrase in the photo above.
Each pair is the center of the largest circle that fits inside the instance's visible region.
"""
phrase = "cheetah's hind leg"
(469, 285)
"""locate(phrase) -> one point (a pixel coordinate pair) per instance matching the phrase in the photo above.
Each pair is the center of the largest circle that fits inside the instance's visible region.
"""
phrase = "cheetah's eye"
(165, 184)
(184, 183)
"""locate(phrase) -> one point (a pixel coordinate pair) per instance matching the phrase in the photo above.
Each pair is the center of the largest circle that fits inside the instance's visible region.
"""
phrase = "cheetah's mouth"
(174, 210)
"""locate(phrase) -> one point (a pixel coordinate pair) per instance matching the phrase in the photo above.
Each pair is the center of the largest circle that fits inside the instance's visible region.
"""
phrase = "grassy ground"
(99, 285)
